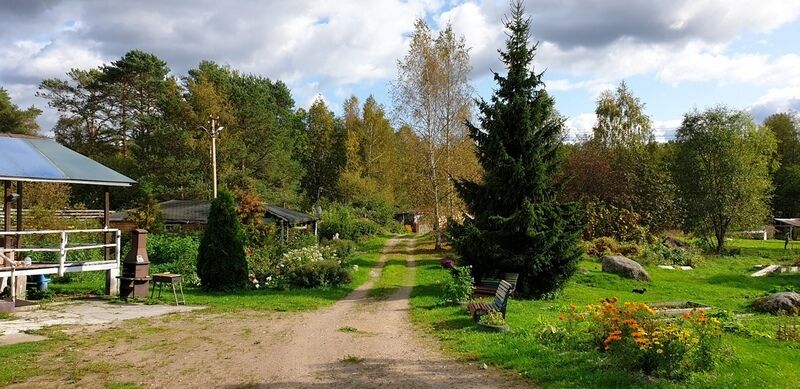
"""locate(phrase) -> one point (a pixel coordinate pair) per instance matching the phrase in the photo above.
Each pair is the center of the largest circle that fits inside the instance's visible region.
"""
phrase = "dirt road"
(359, 342)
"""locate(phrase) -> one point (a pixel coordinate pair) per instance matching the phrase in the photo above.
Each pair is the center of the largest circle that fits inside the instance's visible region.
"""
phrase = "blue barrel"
(40, 280)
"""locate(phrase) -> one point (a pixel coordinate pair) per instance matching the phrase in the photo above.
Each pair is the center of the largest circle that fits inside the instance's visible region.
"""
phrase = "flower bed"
(634, 337)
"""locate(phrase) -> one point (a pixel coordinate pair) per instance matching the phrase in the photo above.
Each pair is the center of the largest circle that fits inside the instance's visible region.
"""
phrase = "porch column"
(112, 282)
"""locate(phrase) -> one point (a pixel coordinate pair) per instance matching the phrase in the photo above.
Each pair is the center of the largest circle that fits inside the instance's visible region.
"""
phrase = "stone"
(666, 267)
(686, 267)
(624, 267)
(776, 303)
(766, 270)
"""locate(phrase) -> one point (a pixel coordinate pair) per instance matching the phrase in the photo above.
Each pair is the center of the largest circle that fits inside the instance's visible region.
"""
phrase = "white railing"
(64, 247)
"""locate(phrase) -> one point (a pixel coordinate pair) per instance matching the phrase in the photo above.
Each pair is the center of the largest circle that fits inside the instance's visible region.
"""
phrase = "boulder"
(784, 302)
(625, 267)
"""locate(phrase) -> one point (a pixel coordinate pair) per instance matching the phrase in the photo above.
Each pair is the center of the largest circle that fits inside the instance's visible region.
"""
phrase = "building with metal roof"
(192, 215)
(33, 159)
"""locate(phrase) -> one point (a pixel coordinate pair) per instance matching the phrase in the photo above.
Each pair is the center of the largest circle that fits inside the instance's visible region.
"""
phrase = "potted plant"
(493, 321)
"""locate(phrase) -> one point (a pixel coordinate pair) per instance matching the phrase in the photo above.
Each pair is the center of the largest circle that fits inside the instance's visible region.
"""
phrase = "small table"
(168, 278)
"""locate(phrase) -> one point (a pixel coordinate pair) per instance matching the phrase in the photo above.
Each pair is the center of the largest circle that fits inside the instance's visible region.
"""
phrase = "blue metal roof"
(25, 158)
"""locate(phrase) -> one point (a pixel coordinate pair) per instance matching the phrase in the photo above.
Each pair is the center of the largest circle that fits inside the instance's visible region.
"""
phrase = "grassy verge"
(395, 274)
(17, 361)
(722, 282)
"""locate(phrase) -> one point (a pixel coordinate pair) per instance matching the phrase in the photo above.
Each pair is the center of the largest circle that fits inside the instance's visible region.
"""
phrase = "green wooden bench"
(503, 292)
(488, 286)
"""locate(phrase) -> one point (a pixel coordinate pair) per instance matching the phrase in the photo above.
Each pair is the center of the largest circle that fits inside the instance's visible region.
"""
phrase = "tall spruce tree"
(517, 225)
(221, 261)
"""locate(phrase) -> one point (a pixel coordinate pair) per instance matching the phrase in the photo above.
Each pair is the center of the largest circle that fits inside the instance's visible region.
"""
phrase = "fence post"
(63, 254)
(112, 276)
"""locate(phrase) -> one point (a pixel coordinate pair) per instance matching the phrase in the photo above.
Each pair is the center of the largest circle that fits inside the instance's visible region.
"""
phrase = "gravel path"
(393, 355)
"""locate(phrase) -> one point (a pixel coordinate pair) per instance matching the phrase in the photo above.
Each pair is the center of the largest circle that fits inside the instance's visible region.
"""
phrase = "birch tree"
(432, 96)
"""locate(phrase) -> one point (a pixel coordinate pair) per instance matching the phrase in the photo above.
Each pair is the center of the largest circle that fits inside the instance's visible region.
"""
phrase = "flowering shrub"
(304, 267)
(459, 287)
(634, 337)
(314, 266)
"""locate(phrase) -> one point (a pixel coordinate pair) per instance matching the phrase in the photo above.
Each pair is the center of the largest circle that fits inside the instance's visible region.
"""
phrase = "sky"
(676, 55)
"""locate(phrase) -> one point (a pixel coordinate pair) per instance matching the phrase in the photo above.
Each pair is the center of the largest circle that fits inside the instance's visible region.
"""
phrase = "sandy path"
(394, 356)
(273, 350)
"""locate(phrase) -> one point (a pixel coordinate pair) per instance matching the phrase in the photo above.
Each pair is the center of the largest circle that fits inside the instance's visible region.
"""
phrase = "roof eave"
(63, 181)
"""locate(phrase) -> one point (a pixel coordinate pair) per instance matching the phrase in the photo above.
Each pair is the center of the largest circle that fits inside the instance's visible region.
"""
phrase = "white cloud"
(318, 45)
(580, 126)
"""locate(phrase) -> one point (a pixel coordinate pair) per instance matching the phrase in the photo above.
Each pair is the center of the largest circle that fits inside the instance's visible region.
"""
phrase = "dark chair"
(502, 293)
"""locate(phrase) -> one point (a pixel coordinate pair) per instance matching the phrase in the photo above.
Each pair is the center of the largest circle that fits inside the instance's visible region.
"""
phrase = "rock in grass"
(776, 303)
(625, 267)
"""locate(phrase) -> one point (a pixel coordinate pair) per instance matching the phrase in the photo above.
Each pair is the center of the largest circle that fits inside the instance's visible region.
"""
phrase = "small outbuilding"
(192, 215)
(287, 219)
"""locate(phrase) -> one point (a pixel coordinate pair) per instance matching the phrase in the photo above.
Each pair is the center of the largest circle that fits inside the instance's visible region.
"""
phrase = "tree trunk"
(720, 236)
(437, 231)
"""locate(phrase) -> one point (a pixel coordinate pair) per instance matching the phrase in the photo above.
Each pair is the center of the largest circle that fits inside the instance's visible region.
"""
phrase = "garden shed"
(287, 219)
(26, 159)
(179, 216)
(192, 215)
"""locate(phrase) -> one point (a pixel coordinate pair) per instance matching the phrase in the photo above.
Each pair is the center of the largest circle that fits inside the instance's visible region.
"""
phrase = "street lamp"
(213, 131)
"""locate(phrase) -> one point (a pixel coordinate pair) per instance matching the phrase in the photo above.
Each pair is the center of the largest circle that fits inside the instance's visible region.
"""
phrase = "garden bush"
(221, 260)
(608, 220)
(659, 253)
(459, 287)
(634, 338)
(321, 273)
(298, 241)
(602, 246)
(264, 266)
(649, 251)
(346, 222)
(174, 254)
(343, 248)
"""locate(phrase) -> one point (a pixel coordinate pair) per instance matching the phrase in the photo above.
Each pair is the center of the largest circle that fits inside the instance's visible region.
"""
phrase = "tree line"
(134, 116)
(722, 172)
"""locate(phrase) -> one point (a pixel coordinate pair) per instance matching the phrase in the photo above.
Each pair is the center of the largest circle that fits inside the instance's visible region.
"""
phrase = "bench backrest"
(504, 290)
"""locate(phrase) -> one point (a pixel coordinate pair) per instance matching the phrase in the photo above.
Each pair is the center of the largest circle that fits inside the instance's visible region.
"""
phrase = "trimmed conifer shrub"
(221, 261)
(519, 226)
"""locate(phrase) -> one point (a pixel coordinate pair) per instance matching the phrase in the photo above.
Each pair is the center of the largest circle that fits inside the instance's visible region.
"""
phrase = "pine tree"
(516, 223)
(221, 261)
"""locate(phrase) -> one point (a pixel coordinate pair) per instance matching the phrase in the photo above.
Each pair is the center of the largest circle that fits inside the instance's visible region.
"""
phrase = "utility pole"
(213, 131)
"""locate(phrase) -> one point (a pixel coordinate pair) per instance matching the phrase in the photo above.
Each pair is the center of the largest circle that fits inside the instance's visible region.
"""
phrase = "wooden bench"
(478, 309)
(488, 286)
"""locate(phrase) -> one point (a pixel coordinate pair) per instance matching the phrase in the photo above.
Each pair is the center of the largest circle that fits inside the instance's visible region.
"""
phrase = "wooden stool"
(168, 278)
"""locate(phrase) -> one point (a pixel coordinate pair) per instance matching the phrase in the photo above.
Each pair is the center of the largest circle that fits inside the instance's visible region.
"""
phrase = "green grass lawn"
(722, 282)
